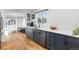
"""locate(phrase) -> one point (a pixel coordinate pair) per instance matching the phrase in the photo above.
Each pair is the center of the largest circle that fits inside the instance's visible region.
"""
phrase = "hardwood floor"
(19, 41)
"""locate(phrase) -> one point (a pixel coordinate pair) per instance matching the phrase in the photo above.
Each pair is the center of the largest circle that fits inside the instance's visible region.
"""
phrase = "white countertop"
(64, 32)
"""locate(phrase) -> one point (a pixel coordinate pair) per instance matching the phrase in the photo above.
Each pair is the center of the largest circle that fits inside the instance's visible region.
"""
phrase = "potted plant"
(76, 31)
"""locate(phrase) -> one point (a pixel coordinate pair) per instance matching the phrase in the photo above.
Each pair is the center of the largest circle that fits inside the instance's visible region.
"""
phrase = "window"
(42, 17)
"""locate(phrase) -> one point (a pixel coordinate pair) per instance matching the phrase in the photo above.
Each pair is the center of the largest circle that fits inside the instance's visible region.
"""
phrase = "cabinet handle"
(39, 33)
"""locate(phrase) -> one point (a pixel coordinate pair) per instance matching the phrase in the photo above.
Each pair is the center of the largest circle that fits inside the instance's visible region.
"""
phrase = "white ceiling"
(18, 10)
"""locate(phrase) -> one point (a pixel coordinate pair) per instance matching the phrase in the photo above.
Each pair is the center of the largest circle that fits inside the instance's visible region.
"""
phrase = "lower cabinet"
(29, 32)
(73, 43)
(39, 37)
(56, 41)
(35, 35)
(53, 40)
(26, 32)
(60, 42)
(49, 40)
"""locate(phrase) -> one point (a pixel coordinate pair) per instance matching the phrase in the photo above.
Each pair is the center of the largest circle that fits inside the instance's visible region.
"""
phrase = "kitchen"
(52, 29)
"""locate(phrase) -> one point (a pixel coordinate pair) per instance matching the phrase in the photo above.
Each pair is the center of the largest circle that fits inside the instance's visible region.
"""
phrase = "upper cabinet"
(28, 16)
(33, 16)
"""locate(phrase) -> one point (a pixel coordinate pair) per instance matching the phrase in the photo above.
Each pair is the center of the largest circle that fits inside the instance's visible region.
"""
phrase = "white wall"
(65, 19)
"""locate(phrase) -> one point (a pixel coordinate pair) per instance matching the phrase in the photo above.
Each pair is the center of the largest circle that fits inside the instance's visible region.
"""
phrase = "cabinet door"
(49, 40)
(35, 35)
(28, 32)
(60, 42)
(73, 43)
(43, 38)
(40, 37)
(31, 33)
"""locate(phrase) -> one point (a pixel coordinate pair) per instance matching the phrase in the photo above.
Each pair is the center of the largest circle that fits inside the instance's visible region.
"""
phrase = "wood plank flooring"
(20, 41)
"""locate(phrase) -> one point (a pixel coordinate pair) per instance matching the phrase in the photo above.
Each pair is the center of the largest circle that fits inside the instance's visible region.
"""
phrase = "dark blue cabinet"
(26, 30)
(56, 41)
(35, 35)
(52, 40)
(60, 42)
(73, 43)
(29, 32)
(49, 40)
(39, 37)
